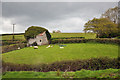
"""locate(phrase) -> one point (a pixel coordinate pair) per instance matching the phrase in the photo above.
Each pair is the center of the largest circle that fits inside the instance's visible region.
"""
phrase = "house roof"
(41, 34)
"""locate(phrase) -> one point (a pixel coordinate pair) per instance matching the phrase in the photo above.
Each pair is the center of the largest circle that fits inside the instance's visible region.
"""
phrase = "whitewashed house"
(40, 39)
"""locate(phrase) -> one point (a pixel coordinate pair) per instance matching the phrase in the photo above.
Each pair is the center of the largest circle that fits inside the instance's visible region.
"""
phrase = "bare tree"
(111, 14)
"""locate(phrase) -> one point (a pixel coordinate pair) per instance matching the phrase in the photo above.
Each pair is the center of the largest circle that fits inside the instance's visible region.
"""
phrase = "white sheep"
(30, 46)
(61, 47)
(18, 48)
(35, 47)
(49, 46)
(52, 46)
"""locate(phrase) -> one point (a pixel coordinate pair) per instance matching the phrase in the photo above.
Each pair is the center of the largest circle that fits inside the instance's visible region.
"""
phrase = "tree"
(58, 31)
(111, 14)
(32, 31)
(53, 31)
(103, 27)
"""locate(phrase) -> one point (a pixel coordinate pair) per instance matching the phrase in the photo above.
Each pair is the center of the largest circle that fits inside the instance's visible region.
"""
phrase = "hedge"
(9, 42)
(113, 41)
(73, 65)
(68, 38)
(8, 48)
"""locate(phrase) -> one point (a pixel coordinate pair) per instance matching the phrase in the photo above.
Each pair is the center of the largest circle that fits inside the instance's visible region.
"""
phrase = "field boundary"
(70, 65)
(78, 40)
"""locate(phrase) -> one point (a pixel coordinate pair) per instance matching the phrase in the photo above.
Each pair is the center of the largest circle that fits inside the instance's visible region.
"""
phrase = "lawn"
(54, 35)
(108, 73)
(76, 51)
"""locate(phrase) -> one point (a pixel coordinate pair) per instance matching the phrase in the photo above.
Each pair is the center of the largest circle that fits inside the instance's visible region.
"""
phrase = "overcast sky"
(63, 16)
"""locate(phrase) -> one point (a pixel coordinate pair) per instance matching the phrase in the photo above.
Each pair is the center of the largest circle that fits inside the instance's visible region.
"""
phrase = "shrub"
(88, 64)
(32, 31)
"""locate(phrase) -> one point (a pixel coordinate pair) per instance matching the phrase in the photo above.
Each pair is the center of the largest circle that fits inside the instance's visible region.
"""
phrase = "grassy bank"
(30, 55)
(108, 73)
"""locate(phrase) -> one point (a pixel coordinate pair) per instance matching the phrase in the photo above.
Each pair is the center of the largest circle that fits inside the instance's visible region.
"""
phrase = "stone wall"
(40, 39)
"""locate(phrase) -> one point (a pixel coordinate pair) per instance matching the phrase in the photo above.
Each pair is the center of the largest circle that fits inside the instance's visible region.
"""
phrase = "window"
(40, 40)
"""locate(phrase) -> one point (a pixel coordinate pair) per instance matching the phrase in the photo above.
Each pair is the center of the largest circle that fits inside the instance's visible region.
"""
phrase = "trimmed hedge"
(104, 40)
(68, 38)
(9, 42)
(13, 47)
(88, 64)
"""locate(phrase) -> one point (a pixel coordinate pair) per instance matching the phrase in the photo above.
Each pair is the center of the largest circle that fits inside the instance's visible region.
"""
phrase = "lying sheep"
(49, 46)
(61, 47)
(18, 48)
(35, 47)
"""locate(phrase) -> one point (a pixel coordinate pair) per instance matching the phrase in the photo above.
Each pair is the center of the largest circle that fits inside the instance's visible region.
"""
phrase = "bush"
(32, 31)
(88, 64)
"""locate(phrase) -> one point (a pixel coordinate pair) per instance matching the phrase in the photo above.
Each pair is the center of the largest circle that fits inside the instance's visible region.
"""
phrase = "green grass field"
(9, 37)
(108, 73)
(87, 35)
(54, 35)
(30, 55)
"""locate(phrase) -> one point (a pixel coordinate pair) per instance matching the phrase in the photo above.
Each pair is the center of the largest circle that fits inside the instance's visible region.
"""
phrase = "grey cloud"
(60, 0)
(43, 13)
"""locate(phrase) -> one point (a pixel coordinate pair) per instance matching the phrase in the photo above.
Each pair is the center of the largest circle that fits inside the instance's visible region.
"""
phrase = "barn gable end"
(40, 39)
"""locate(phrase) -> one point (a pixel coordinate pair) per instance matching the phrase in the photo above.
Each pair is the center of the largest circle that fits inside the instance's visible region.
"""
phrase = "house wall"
(43, 39)
(31, 41)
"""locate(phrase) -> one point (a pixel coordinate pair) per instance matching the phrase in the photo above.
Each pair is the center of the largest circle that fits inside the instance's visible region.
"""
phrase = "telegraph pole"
(13, 31)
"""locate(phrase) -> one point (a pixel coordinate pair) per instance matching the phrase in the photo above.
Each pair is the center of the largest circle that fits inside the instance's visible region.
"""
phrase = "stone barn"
(40, 39)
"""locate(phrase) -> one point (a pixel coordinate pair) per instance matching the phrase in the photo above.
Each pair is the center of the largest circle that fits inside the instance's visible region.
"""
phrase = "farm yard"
(30, 55)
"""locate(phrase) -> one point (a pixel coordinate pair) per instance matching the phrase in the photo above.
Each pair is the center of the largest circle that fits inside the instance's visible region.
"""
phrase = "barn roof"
(41, 34)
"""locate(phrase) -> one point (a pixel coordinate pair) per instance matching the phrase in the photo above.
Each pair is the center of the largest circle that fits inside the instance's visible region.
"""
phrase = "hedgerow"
(8, 48)
(9, 42)
(71, 65)
(78, 40)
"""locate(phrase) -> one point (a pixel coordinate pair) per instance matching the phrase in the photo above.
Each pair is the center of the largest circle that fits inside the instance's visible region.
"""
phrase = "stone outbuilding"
(40, 39)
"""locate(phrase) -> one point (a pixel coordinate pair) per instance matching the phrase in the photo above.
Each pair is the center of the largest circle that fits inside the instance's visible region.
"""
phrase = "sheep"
(61, 47)
(52, 46)
(49, 46)
(35, 47)
(18, 48)
(30, 46)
